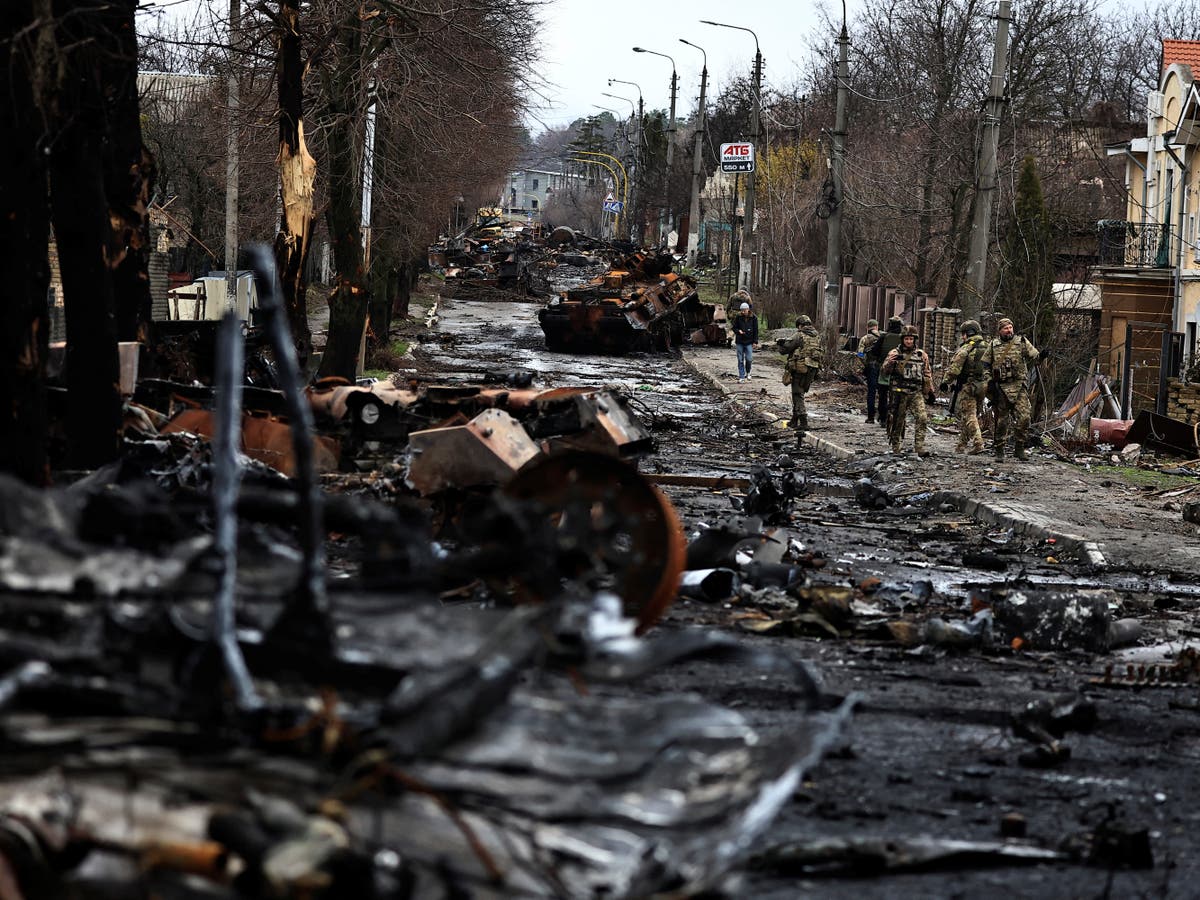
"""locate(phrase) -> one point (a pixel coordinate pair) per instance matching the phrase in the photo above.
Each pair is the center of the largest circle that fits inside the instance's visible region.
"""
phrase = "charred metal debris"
(639, 305)
(192, 705)
(630, 301)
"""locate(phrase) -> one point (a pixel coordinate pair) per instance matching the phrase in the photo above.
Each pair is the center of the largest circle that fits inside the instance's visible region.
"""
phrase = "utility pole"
(664, 210)
(231, 158)
(985, 189)
(670, 155)
(693, 245)
(747, 249)
(833, 251)
(641, 158)
(368, 174)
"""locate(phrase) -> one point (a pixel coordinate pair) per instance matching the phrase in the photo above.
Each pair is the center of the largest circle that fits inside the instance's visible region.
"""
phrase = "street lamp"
(756, 100)
(693, 244)
(674, 83)
(632, 105)
(637, 166)
(670, 130)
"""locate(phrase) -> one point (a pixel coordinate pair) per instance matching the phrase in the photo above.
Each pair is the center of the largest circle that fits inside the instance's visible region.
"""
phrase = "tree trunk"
(129, 173)
(383, 288)
(348, 302)
(921, 276)
(24, 228)
(80, 212)
(297, 173)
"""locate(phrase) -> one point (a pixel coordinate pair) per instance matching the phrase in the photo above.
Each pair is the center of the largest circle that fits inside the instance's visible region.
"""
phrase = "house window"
(535, 184)
(533, 203)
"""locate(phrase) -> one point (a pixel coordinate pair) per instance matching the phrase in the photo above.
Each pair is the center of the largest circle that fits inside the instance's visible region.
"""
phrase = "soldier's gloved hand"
(931, 397)
(944, 386)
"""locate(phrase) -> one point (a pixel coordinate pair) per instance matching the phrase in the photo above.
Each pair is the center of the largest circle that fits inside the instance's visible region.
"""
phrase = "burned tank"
(639, 305)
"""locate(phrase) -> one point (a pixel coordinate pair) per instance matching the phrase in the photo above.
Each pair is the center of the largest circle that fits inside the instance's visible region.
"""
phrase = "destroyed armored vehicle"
(639, 305)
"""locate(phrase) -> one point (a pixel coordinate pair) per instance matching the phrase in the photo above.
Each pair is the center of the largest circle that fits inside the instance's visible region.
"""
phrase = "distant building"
(527, 191)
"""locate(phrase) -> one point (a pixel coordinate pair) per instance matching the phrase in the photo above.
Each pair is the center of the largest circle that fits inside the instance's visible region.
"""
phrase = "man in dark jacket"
(870, 365)
(745, 339)
(879, 351)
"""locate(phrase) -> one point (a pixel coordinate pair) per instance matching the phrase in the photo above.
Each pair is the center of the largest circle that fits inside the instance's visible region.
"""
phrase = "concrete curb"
(1022, 521)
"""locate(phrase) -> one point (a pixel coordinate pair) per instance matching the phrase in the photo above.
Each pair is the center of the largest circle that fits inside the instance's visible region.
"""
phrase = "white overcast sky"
(586, 42)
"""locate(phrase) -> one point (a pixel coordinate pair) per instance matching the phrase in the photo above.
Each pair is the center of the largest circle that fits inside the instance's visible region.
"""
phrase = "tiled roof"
(1186, 52)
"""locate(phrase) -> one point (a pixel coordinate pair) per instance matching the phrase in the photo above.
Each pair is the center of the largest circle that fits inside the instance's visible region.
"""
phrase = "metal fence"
(1137, 244)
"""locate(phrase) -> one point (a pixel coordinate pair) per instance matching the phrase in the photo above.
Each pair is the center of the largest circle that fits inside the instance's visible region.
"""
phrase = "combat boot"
(999, 451)
(1019, 452)
(870, 420)
(976, 448)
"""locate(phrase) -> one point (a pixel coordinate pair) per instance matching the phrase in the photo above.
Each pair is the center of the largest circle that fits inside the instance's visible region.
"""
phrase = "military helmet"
(970, 327)
(909, 331)
(872, 323)
(802, 321)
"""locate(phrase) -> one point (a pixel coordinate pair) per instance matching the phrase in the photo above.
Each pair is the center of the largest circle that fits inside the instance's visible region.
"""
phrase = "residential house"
(1149, 274)
(527, 191)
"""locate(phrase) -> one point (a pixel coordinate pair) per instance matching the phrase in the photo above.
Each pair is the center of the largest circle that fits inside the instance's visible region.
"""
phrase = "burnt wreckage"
(191, 706)
(640, 305)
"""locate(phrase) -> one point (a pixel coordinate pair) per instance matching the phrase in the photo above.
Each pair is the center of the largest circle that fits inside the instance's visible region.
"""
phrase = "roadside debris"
(1056, 620)
(863, 857)
(1046, 721)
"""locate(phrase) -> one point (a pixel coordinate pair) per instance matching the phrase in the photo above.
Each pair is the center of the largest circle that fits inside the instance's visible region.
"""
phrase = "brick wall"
(157, 266)
(939, 334)
(58, 326)
(1183, 401)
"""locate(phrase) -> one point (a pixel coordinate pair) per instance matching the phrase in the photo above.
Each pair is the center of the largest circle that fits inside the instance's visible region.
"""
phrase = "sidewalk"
(1096, 516)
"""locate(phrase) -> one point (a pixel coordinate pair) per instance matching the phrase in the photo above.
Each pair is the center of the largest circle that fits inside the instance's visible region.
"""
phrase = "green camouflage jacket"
(969, 358)
(804, 351)
(909, 371)
(1007, 363)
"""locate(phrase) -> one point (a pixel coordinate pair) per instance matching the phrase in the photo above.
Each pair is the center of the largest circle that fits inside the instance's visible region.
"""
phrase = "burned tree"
(297, 173)
(100, 178)
(24, 230)
(444, 81)
(73, 157)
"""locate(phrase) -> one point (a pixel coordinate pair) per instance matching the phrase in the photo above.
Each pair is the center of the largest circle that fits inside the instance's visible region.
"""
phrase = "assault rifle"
(958, 386)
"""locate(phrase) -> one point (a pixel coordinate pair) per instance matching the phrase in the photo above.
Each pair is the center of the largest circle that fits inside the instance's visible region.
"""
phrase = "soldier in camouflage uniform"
(966, 371)
(911, 380)
(1006, 364)
(804, 354)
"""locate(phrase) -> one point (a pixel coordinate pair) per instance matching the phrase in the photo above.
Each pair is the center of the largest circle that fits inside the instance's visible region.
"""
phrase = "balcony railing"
(1135, 244)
